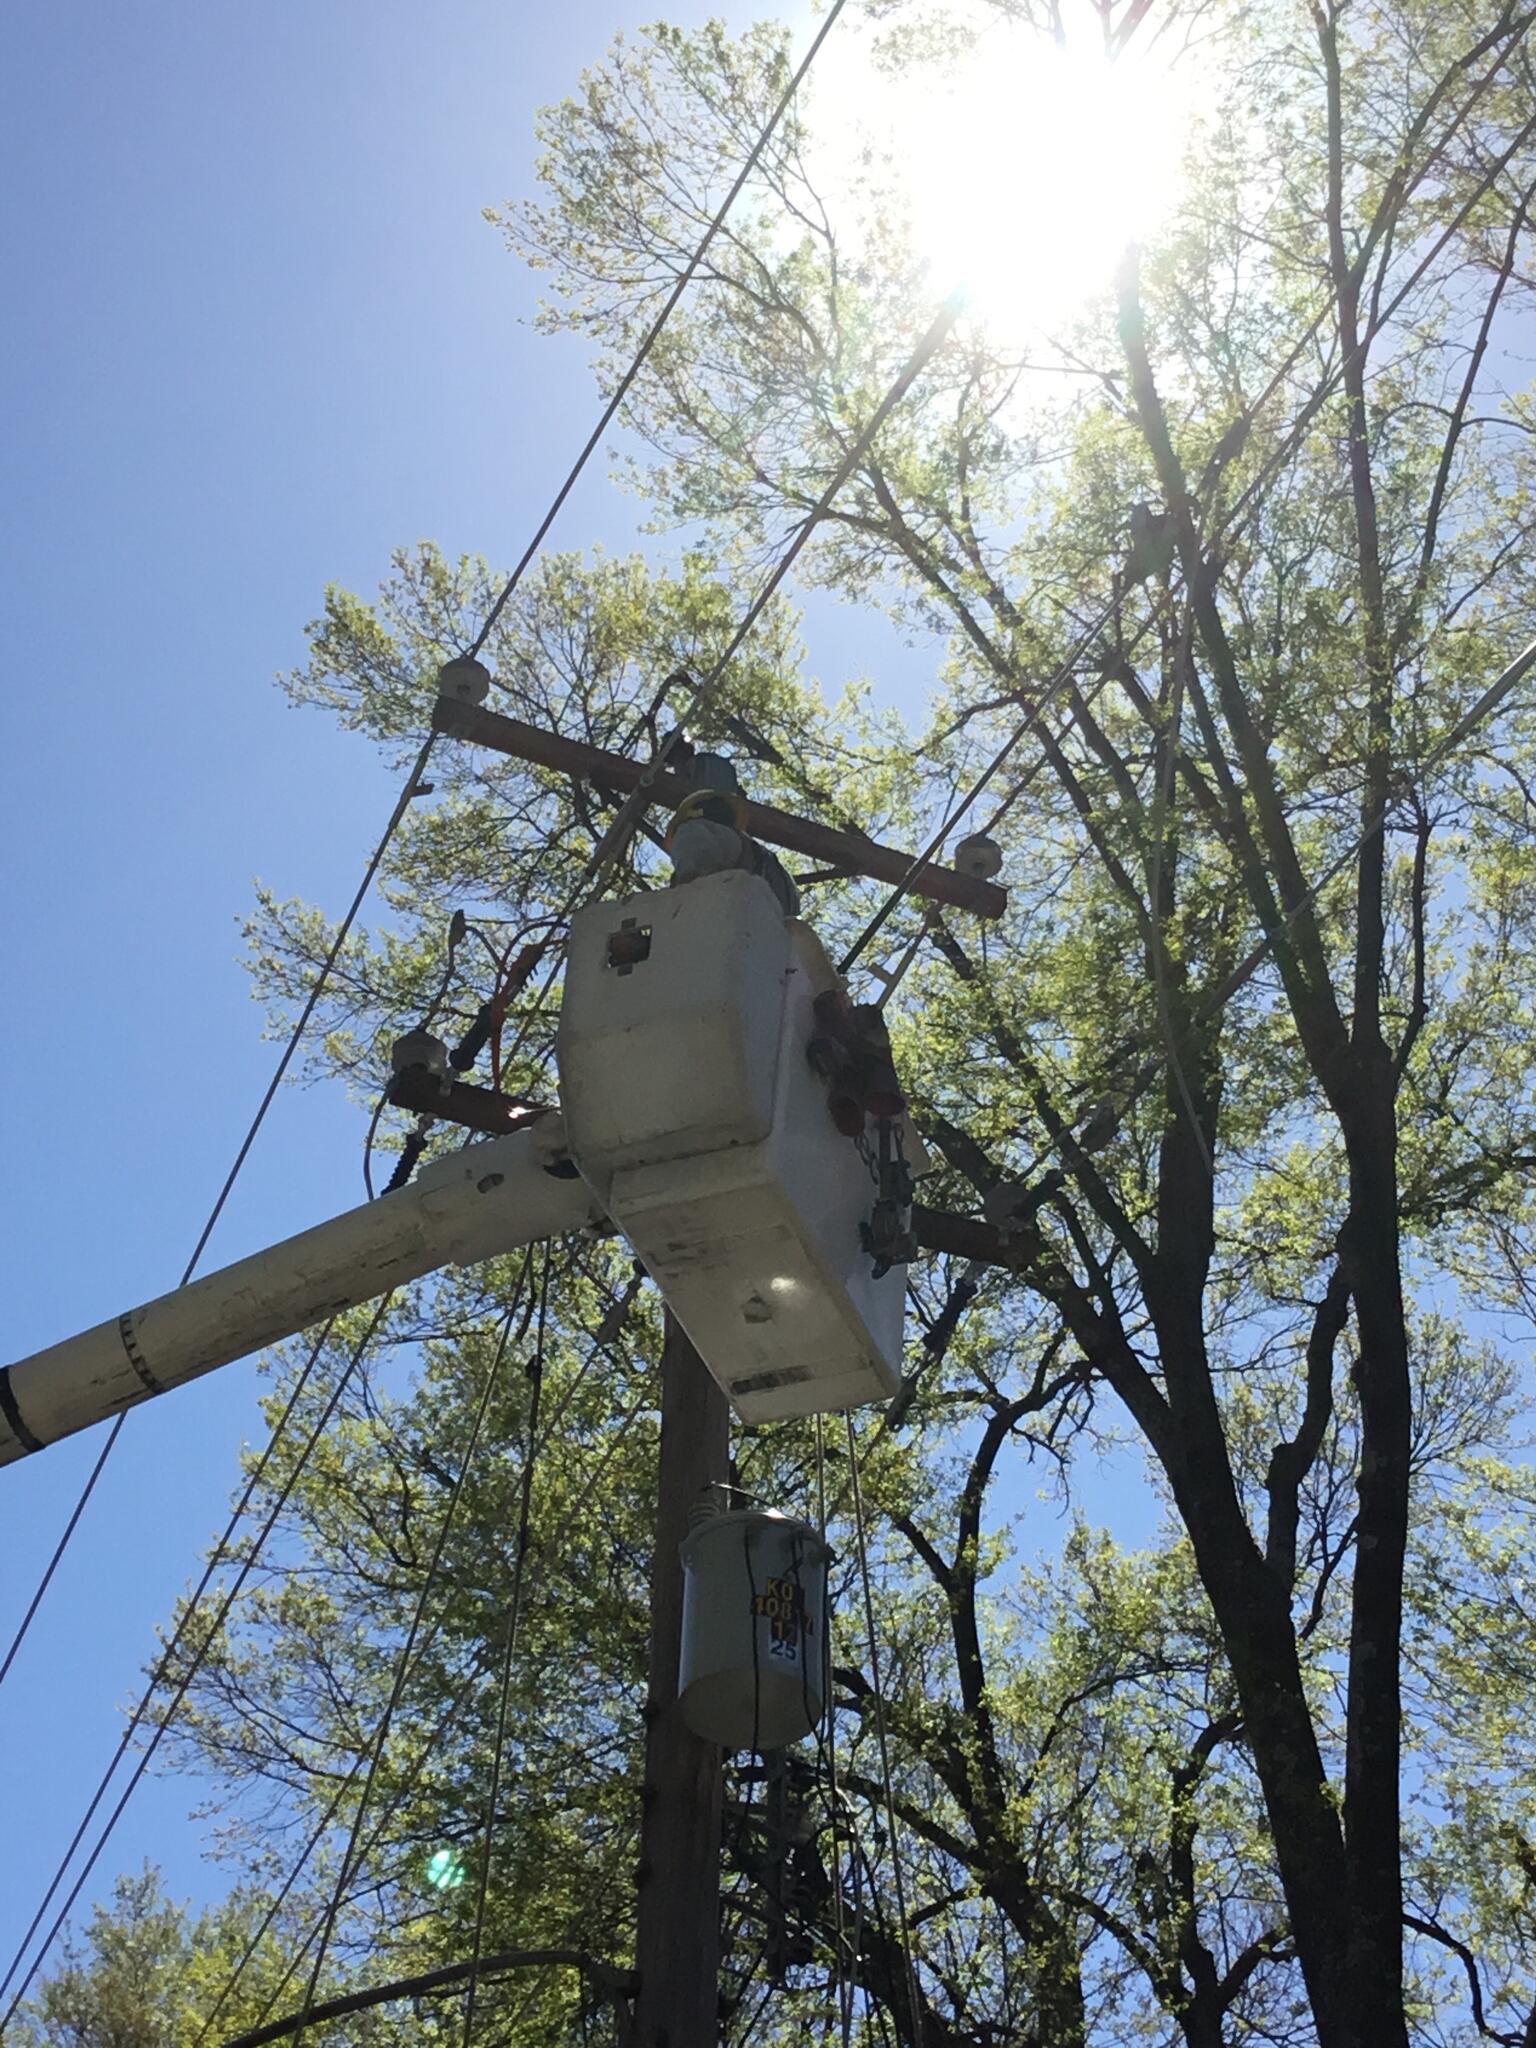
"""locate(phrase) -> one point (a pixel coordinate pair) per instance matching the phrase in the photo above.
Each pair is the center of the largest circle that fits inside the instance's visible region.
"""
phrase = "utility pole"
(677, 1938)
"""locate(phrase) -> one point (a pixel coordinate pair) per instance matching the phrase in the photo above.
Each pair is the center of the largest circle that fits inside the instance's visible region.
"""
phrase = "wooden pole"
(677, 1937)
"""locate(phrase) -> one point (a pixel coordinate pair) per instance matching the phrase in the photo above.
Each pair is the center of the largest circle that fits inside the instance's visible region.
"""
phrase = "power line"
(276, 1904)
(456, 1699)
(403, 1661)
(605, 420)
(408, 791)
(219, 1552)
(880, 1730)
(547, 1560)
(248, 1565)
(618, 832)
(509, 1655)
(342, 933)
(669, 305)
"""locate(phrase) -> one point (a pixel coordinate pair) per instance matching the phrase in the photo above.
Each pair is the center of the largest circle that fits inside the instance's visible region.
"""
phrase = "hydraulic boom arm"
(469, 1206)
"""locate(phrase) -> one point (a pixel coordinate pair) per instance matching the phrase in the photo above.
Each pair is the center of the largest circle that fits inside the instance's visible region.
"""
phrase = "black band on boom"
(12, 1414)
(135, 1356)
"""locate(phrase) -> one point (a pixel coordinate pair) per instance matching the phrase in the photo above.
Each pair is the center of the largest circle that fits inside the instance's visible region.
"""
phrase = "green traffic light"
(445, 1869)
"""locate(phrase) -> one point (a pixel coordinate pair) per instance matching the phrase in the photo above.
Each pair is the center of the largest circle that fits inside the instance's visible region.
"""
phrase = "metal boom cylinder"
(470, 1206)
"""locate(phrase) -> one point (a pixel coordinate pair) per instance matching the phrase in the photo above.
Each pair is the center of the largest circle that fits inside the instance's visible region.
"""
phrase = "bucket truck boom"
(463, 1208)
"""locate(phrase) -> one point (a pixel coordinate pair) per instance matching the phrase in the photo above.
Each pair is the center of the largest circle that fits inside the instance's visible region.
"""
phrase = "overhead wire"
(285, 1059)
(195, 1663)
(455, 1701)
(617, 834)
(408, 791)
(1508, 681)
(622, 826)
(188, 1613)
(548, 1557)
(826, 1740)
(509, 1654)
(881, 1734)
(669, 305)
(276, 1903)
(407, 1648)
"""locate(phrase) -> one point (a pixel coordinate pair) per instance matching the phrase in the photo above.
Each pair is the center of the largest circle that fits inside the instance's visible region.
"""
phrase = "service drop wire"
(509, 1653)
(622, 826)
(827, 1743)
(456, 1699)
(403, 1661)
(669, 306)
(548, 1558)
(247, 1566)
(343, 932)
(880, 1728)
(217, 1557)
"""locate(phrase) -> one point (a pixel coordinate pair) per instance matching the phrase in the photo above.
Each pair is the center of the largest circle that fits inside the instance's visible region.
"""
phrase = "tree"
(1246, 1068)
(146, 1970)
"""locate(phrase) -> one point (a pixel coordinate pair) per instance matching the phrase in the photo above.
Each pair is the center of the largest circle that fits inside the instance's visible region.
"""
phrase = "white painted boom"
(469, 1206)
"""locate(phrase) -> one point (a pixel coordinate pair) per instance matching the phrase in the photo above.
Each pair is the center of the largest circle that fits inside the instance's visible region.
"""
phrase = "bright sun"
(1025, 167)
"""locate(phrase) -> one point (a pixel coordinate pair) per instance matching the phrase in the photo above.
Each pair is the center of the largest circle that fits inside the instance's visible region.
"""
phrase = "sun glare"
(1024, 167)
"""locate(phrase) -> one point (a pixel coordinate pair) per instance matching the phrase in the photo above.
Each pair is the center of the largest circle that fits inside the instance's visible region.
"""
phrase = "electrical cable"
(525, 1511)
(247, 1566)
(342, 933)
(217, 1557)
(403, 1661)
(407, 1785)
(669, 305)
(610, 845)
(276, 1905)
(60, 1547)
(548, 1559)
(826, 1742)
(412, 781)
(880, 1728)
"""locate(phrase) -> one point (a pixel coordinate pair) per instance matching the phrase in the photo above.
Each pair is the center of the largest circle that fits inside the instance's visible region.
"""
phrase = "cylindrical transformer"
(753, 1668)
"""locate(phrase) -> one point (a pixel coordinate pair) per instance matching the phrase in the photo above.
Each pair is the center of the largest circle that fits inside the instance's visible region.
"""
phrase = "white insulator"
(752, 1673)
(979, 856)
(421, 1048)
(464, 679)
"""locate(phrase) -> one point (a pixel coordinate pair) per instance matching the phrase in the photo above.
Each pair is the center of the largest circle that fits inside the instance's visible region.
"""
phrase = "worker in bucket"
(708, 833)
